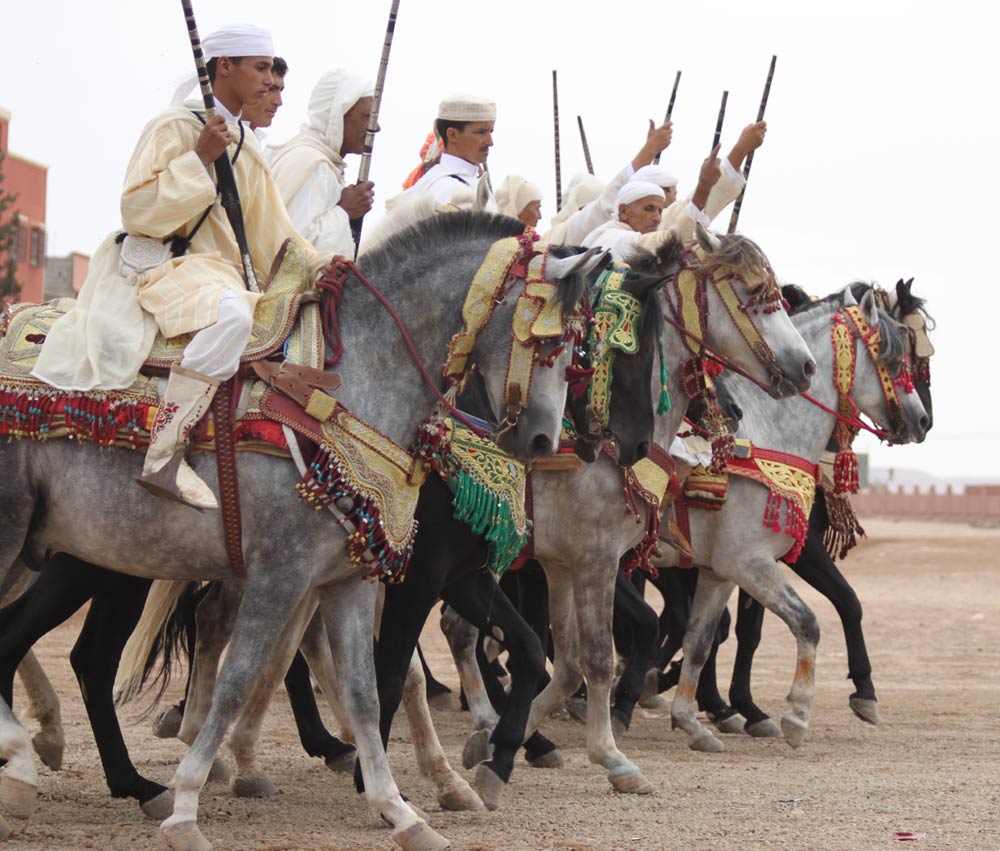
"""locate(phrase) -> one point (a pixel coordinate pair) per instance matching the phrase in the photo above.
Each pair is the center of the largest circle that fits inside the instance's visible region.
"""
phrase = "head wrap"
(430, 155)
(331, 99)
(634, 191)
(515, 193)
(467, 108)
(654, 174)
(580, 191)
(234, 40)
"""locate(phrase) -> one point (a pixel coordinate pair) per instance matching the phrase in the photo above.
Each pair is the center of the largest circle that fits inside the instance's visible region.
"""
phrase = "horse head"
(883, 387)
(731, 274)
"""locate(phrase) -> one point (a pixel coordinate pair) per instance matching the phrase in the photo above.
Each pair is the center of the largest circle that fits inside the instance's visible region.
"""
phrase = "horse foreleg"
(349, 616)
(43, 707)
(453, 792)
(637, 619)
(816, 567)
(749, 622)
(593, 592)
(462, 637)
(710, 599)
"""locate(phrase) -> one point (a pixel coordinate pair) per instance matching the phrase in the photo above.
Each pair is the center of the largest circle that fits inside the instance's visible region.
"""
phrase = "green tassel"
(663, 406)
(489, 516)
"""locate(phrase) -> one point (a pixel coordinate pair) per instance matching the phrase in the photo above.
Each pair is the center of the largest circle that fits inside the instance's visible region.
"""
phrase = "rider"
(465, 127)
(260, 115)
(309, 169)
(170, 191)
(521, 199)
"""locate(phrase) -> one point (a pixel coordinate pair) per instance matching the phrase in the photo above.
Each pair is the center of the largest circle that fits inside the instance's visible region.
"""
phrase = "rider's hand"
(358, 199)
(213, 140)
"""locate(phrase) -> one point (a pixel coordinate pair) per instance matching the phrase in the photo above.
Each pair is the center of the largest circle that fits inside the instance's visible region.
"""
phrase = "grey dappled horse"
(733, 547)
(581, 529)
(80, 499)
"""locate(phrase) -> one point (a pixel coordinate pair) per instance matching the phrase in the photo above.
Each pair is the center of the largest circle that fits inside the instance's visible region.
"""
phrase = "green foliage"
(9, 287)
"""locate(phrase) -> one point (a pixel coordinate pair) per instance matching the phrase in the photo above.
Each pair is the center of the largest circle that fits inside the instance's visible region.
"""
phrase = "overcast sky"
(880, 159)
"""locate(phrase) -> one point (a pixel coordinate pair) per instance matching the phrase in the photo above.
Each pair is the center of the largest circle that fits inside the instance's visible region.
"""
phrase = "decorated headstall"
(689, 302)
(614, 328)
(850, 325)
(539, 317)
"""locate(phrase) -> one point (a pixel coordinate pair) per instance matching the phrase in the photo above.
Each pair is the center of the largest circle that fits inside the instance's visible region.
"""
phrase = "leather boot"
(165, 472)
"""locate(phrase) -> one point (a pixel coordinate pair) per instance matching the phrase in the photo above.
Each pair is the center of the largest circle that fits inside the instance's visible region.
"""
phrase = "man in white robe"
(260, 115)
(580, 191)
(170, 192)
(310, 170)
(465, 126)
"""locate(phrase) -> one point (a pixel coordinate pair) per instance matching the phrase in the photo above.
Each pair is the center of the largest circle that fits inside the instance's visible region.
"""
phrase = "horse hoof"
(794, 729)
(705, 742)
(477, 749)
(733, 724)
(185, 836)
(633, 783)
(866, 709)
(552, 759)
(219, 771)
(17, 797)
(342, 763)
(420, 837)
(167, 724)
(50, 749)
(577, 709)
(460, 797)
(254, 785)
(442, 700)
(655, 703)
(160, 807)
(764, 729)
(490, 787)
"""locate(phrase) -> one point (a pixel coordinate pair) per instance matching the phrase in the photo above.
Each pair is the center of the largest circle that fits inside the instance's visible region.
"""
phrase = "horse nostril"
(736, 411)
(809, 368)
(642, 450)
(925, 423)
(541, 445)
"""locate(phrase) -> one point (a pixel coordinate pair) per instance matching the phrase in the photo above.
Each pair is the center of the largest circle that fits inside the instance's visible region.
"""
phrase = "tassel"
(663, 405)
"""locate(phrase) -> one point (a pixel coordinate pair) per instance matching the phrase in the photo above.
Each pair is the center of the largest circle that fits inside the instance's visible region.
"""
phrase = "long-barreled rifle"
(223, 167)
(749, 161)
(555, 120)
(586, 147)
(366, 156)
(670, 109)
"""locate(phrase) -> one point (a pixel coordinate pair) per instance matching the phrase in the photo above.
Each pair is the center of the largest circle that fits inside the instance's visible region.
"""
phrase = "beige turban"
(467, 108)
(515, 193)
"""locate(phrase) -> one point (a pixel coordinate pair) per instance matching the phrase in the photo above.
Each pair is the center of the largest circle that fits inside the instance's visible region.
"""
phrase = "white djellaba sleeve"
(316, 215)
(591, 216)
(725, 191)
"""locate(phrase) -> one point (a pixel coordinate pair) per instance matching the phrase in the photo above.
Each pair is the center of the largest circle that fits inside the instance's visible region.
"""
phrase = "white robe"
(451, 176)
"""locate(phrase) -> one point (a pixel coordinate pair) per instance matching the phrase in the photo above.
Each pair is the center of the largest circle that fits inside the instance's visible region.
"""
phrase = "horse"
(581, 523)
(731, 545)
(51, 502)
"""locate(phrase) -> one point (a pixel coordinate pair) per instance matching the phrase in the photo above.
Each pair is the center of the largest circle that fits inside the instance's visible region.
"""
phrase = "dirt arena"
(931, 594)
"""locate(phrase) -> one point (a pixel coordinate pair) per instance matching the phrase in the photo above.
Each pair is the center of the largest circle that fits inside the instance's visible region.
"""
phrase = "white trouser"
(215, 351)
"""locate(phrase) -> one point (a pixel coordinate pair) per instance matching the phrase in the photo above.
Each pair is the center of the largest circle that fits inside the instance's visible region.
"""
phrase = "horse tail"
(161, 631)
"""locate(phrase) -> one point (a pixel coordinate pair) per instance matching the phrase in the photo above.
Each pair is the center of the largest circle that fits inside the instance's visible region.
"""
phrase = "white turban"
(234, 40)
(654, 174)
(331, 99)
(634, 191)
(467, 108)
(515, 193)
(581, 190)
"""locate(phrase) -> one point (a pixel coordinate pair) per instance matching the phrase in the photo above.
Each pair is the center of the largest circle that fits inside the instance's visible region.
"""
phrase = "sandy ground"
(932, 619)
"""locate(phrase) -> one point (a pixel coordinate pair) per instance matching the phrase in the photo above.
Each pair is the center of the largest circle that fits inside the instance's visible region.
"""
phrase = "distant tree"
(9, 287)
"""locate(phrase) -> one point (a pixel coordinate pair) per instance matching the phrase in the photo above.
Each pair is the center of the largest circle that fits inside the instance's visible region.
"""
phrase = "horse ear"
(849, 298)
(869, 308)
(706, 239)
(558, 268)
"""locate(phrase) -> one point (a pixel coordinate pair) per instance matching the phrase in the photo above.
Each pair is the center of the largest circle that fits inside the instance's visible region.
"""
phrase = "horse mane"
(456, 228)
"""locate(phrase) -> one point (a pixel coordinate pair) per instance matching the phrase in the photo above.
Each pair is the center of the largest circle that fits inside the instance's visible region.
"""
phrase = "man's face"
(356, 126)
(473, 143)
(247, 82)
(642, 215)
(531, 214)
(671, 196)
(262, 113)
